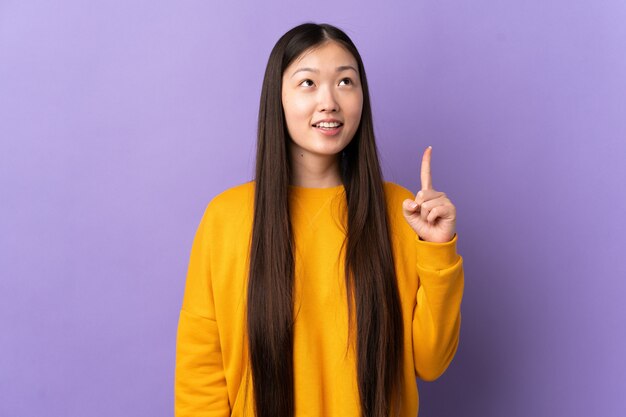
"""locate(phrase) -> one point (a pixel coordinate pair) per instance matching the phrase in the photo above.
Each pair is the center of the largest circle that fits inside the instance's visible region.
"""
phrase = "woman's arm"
(437, 314)
(200, 385)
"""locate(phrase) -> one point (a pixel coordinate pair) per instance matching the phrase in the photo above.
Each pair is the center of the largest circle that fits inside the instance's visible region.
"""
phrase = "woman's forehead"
(327, 55)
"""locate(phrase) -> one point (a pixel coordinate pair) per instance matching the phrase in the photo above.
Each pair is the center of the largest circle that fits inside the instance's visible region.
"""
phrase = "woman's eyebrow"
(338, 69)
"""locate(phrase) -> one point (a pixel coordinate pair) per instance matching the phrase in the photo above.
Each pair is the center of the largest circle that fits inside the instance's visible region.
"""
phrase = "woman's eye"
(305, 83)
(347, 80)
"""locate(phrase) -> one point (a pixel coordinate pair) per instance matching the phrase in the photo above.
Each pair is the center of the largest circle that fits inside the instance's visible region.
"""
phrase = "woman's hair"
(369, 263)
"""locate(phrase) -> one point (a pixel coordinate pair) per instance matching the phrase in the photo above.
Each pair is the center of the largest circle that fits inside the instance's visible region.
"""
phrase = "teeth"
(328, 124)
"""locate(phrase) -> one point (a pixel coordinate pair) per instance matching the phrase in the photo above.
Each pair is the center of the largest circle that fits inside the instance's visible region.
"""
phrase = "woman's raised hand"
(431, 214)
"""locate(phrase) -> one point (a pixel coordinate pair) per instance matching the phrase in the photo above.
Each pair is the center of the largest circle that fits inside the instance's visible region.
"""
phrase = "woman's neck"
(314, 171)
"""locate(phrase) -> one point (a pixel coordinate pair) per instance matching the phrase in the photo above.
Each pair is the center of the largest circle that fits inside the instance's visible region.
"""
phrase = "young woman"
(318, 289)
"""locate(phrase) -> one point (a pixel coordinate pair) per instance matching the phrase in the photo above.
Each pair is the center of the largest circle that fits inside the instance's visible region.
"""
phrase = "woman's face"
(322, 85)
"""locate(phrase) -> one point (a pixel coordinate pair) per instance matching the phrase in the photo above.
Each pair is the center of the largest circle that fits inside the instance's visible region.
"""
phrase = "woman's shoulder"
(396, 192)
(232, 200)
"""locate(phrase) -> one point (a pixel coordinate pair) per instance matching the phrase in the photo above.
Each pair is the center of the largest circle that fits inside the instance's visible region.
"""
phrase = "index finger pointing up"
(426, 177)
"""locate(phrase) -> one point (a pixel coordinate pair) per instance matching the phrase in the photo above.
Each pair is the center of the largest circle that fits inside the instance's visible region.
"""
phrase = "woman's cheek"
(302, 106)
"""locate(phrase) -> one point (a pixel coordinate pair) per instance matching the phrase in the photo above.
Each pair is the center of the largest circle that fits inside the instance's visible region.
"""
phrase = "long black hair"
(369, 268)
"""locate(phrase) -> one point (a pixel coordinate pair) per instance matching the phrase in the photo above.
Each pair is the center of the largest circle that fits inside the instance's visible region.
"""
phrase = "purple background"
(120, 120)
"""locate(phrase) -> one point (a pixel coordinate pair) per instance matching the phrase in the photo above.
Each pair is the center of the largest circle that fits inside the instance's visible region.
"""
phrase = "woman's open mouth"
(328, 128)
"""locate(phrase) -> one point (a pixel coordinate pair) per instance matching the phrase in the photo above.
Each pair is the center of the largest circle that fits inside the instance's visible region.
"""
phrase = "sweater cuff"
(435, 255)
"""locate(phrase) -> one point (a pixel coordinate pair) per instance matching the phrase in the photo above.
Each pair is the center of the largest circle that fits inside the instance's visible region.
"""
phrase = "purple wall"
(120, 120)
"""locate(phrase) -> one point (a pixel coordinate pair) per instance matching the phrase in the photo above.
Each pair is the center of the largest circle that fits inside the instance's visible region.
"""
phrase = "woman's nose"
(327, 100)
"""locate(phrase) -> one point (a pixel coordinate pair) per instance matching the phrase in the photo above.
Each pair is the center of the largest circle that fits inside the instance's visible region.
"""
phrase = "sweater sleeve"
(437, 314)
(200, 385)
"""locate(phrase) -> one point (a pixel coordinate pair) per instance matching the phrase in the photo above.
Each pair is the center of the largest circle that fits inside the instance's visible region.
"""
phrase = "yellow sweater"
(211, 352)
